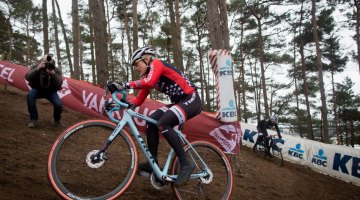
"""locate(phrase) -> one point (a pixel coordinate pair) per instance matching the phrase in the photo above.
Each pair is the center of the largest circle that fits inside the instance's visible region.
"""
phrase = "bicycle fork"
(101, 155)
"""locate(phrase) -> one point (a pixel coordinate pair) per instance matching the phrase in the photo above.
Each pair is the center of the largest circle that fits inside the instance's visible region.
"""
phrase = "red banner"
(83, 97)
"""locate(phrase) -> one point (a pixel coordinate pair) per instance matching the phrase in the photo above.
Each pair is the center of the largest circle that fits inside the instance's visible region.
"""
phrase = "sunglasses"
(138, 61)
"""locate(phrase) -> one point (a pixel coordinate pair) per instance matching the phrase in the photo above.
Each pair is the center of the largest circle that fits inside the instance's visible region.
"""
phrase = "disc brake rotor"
(207, 179)
(93, 164)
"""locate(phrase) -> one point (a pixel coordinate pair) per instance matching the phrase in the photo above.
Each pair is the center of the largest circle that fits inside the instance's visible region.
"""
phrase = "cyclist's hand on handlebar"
(132, 106)
(117, 86)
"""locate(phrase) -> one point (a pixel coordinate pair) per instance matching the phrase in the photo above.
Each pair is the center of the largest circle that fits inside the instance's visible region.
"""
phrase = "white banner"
(221, 63)
(337, 161)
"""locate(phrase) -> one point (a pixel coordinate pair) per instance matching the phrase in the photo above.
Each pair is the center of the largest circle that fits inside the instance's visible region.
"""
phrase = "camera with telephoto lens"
(50, 63)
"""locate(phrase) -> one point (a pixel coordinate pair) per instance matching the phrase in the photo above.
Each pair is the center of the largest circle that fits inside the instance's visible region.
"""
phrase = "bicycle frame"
(127, 120)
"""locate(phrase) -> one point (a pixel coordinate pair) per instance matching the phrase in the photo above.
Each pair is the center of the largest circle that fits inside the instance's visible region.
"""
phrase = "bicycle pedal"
(142, 173)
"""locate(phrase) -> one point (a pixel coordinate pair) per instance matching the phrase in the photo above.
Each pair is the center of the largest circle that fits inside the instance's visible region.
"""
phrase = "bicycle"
(104, 170)
(275, 148)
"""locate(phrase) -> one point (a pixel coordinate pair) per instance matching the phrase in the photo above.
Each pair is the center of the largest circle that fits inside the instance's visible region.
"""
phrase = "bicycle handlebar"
(122, 102)
(118, 104)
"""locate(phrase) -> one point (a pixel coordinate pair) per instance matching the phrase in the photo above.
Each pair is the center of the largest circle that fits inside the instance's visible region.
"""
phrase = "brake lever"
(104, 107)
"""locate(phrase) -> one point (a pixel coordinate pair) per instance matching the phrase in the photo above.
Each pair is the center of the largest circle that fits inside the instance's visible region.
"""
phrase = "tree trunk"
(217, 24)
(174, 37)
(10, 35)
(213, 24)
(262, 68)
(99, 23)
(242, 73)
(352, 140)
(256, 90)
(135, 30)
(93, 66)
(111, 57)
(124, 60)
(45, 26)
(127, 31)
(320, 75)
(357, 26)
(304, 77)
(336, 119)
(28, 41)
(198, 47)
(297, 97)
(57, 43)
(76, 38)
(178, 36)
(346, 134)
(224, 25)
(65, 39)
(207, 88)
(243, 92)
(341, 134)
(81, 57)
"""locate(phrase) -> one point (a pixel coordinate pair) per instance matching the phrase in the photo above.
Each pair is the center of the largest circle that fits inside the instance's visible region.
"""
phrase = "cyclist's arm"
(260, 126)
(278, 131)
(140, 98)
(156, 69)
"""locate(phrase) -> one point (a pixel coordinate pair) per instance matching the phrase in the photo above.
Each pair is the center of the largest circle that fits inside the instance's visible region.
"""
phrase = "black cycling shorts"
(178, 113)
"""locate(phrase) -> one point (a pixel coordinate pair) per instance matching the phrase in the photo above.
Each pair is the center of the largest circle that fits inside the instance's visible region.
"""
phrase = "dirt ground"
(24, 154)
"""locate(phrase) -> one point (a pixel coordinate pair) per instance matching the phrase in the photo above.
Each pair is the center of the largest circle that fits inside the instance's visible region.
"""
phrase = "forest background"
(296, 58)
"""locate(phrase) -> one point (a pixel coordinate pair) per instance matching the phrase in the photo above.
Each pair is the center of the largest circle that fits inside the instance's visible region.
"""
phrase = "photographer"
(45, 80)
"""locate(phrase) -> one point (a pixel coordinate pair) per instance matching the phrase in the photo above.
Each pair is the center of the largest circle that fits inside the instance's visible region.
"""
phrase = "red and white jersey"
(166, 79)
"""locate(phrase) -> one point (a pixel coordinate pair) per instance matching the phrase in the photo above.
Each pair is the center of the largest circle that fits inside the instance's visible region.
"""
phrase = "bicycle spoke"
(260, 149)
(220, 185)
(277, 157)
(74, 172)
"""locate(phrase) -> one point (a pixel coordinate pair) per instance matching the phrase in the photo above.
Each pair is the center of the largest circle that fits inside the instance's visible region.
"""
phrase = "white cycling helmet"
(140, 52)
(274, 118)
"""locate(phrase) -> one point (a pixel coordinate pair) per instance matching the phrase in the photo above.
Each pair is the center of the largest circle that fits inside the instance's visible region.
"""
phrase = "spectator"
(45, 80)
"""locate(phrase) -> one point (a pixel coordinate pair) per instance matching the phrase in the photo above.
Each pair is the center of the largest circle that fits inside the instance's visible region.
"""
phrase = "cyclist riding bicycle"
(159, 75)
(262, 127)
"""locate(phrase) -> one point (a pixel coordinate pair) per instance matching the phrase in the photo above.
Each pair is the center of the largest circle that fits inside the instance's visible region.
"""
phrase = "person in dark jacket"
(262, 127)
(45, 80)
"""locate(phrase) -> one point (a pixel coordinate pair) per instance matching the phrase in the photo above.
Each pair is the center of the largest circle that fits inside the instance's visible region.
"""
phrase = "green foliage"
(326, 21)
(348, 106)
(19, 48)
(332, 53)
(345, 97)
(14, 16)
(275, 58)
(4, 28)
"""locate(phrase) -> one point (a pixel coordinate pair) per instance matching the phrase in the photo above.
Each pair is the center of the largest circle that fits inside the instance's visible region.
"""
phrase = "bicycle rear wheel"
(74, 176)
(219, 187)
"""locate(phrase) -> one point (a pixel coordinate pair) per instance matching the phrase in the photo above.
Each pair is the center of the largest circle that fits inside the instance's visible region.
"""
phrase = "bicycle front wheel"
(278, 157)
(260, 149)
(71, 171)
(217, 186)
